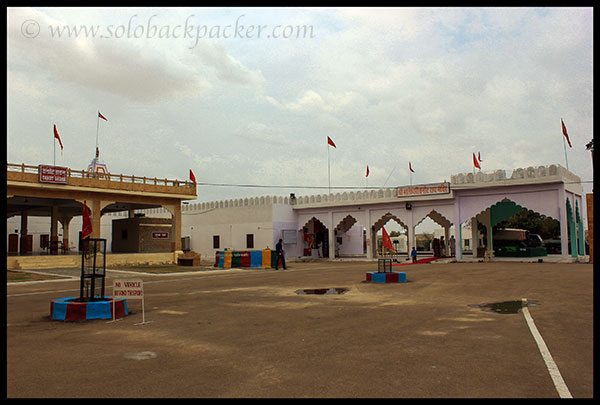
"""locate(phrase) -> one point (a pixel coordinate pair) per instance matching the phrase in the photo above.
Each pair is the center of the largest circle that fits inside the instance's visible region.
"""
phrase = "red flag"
(102, 116)
(58, 137)
(565, 133)
(479, 156)
(367, 171)
(410, 167)
(387, 242)
(475, 162)
(330, 142)
(86, 229)
(192, 177)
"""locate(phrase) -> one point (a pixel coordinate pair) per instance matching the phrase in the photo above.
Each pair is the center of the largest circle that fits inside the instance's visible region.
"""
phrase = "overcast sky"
(249, 95)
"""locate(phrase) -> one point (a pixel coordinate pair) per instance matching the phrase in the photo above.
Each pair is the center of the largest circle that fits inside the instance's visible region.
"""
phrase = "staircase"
(44, 262)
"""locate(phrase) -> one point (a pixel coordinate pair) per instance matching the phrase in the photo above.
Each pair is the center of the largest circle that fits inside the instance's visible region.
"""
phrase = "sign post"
(130, 289)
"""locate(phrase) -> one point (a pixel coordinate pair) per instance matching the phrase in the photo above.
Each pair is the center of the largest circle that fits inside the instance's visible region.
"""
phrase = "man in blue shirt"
(279, 250)
(414, 255)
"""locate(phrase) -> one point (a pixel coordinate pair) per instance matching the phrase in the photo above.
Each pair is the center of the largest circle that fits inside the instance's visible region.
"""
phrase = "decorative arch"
(438, 218)
(346, 223)
(377, 225)
(541, 201)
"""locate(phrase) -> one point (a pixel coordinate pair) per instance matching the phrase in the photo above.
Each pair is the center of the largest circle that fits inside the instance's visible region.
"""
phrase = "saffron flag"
(367, 171)
(86, 229)
(102, 116)
(330, 142)
(192, 177)
(410, 167)
(565, 133)
(58, 137)
(475, 162)
(387, 242)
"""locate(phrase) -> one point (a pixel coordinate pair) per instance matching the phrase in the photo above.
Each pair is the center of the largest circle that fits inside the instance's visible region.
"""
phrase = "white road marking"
(559, 383)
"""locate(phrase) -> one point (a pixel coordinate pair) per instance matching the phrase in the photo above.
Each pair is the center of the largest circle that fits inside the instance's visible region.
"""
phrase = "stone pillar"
(54, 231)
(474, 235)
(369, 233)
(96, 209)
(23, 238)
(332, 240)
(65, 224)
(562, 209)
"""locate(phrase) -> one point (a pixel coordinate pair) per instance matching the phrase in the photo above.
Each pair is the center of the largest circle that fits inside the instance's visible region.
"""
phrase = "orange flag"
(475, 162)
(86, 229)
(330, 142)
(565, 133)
(387, 242)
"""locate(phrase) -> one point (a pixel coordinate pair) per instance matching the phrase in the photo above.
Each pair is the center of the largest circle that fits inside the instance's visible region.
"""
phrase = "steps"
(44, 262)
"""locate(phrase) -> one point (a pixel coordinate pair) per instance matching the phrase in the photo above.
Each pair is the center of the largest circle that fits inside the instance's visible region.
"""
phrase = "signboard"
(160, 235)
(424, 189)
(133, 288)
(289, 236)
(53, 174)
(130, 289)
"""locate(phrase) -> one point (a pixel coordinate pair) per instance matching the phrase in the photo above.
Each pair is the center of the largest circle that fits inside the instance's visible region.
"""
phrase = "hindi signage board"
(160, 235)
(53, 174)
(424, 189)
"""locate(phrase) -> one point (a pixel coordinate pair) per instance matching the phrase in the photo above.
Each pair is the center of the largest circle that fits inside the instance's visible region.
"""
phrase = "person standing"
(280, 255)
(442, 247)
(452, 245)
(413, 254)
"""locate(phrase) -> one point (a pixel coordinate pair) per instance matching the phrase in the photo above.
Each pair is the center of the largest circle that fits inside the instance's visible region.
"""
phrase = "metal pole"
(328, 169)
(565, 148)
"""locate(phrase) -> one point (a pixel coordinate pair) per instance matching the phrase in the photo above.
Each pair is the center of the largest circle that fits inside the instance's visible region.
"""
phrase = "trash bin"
(245, 259)
(266, 258)
(236, 259)
(227, 261)
(256, 258)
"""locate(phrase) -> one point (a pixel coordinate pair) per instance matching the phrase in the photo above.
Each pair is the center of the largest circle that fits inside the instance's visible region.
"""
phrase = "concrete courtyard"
(247, 333)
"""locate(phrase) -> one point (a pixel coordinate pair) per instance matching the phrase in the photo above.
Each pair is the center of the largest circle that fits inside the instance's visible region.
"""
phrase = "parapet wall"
(518, 176)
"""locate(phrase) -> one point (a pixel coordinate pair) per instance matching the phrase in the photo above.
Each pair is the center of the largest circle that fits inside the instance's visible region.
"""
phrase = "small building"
(141, 235)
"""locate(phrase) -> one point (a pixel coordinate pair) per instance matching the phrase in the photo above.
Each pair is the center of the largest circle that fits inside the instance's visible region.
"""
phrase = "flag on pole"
(387, 242)
(102, 116)
(564, 129)
(479, 156)
(410, 167)
(330, 142)
(86, 229)
(58, 137)
(367, 171)
(192, 177)
(475, 162)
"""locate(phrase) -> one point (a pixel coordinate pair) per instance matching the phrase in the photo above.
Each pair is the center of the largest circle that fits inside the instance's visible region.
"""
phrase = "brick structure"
(141, 235)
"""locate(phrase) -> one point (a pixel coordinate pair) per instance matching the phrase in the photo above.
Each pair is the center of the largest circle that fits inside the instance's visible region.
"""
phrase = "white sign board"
(289, 236)
(130, 289)
(133, 288)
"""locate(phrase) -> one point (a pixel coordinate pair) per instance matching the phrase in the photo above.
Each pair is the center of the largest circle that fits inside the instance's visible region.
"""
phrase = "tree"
(544, 226)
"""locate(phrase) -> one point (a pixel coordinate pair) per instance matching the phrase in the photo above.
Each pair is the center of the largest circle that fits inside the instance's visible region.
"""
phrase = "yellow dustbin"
(266, 258)
(227, 262)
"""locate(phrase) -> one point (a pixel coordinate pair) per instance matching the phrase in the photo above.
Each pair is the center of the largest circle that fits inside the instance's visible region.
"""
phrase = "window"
(250, 241)
(216, 242)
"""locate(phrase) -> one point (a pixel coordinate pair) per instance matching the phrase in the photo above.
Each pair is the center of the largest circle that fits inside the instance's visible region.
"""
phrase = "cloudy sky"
(250, 95)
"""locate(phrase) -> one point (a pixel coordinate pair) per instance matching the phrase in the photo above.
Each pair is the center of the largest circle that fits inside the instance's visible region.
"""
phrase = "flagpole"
(54, 145)
(328, 169)
(565, 148)
(97, 126)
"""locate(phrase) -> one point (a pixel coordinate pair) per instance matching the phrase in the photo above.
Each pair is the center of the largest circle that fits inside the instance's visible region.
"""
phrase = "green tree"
(534, 222)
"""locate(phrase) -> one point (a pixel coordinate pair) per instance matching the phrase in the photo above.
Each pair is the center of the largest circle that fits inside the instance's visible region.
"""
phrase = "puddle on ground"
(505, 307)
(322, 291)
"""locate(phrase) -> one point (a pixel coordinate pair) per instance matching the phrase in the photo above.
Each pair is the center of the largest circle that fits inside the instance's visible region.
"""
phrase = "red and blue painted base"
(389, 277)
(70, 309)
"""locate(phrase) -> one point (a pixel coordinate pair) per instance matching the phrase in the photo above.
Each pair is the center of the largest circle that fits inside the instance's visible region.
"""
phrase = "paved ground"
(246, 333)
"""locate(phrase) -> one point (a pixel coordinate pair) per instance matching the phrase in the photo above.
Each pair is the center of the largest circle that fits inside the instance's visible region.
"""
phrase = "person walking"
(442, 247)
(413, 254)
(280, 255)
(452, 245)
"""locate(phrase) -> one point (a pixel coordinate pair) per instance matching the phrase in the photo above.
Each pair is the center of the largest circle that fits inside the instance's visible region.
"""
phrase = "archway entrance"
(316, 239)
